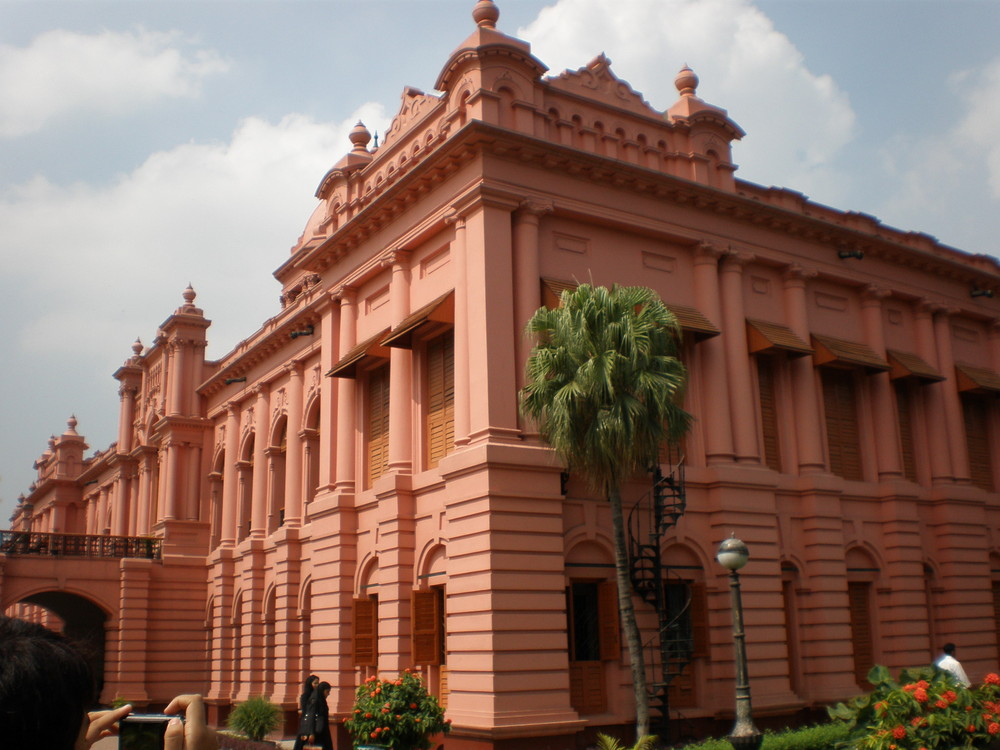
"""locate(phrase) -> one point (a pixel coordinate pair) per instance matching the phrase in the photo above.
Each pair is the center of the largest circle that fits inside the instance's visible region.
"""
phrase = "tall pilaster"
(462, 396)
(230, 476)
(887, 445)
(808, 421)
(527, 283)
(741, 395)
(346, 395)
(717, 422)
(293, 455)
(952, 404)
(400, 371)
(939, 448)
(258, 505)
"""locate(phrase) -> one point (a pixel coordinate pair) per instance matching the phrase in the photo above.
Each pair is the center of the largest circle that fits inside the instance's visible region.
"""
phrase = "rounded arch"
(432, 562)
(304, 603)
(236, 613)
(279, 430)
(863, 563)
(582, 534)
(685, 550)
(247, 446)
(366, 572)
(84, 622)
(312, 412)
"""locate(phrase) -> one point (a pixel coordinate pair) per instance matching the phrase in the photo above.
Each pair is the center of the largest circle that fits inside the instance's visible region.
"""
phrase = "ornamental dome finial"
(360, 136)
(137, 347)
(486, 14)
(189, 294)
(686, 81)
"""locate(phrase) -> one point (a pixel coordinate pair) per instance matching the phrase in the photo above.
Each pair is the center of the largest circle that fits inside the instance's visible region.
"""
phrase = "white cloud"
(796, 121)
(948, 182)
(100, 265)
(62, 72)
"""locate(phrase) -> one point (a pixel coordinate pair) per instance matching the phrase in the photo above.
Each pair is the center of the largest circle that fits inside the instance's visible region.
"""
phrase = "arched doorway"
(83, 623)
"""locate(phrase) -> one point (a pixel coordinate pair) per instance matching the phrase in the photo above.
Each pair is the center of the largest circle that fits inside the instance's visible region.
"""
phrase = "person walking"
(317, 718)
(953, 666)
(308, 689)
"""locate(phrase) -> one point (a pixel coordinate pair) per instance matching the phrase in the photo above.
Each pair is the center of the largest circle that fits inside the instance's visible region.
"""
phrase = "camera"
(142, 731)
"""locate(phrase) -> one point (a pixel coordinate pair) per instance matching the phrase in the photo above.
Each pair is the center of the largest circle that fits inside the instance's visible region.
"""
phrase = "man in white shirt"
(953, 666)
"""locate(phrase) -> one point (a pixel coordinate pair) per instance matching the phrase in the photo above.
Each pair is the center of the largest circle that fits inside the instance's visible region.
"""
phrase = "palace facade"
(352, 491)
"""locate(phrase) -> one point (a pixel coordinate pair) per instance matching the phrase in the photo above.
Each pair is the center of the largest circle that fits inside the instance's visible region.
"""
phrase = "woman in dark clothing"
(319, 712)
(308, 689)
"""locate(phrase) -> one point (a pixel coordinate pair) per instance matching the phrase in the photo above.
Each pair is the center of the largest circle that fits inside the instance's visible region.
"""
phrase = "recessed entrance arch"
(83, 623)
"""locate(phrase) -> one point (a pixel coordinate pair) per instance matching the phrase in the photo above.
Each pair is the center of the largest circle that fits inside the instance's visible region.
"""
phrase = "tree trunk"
(631, 627)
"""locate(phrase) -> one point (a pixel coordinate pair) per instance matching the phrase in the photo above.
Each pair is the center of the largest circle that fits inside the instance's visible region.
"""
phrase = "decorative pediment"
(597, 81)
(414, 105)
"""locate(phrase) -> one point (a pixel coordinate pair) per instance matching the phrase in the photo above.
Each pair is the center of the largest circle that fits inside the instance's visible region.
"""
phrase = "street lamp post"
(733, 555)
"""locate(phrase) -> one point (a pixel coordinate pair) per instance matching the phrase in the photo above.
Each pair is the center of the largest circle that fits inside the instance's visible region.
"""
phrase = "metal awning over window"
(691, 320)
(831, 352)
(766, 338)
(977, 379)
(440, 312)
(347, 367)
(906, 365)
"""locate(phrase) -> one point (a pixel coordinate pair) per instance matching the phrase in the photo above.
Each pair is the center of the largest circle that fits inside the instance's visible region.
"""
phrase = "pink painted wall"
(252, 469)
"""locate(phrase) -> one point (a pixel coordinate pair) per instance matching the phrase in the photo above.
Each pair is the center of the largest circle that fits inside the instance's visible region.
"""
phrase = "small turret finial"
(686, 81)
(137, 347)
(360, 136)
(189, 295)
(486, 14)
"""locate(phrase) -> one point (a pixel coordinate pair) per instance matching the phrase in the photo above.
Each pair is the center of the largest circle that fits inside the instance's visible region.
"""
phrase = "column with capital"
(932, 394)
(884, 419)
(258, 503)
(171, 482)
(324, 451)
(527, 281)
(230, 476)
(462, 395)
(175, 403)
(717, 422)
(741, 395)
(954, 419)
(294, 489)
(400, 370)
(346, 394)
(808, 421)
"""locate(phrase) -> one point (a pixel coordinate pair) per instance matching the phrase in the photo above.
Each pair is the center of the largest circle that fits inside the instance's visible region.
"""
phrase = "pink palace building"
(352, 491)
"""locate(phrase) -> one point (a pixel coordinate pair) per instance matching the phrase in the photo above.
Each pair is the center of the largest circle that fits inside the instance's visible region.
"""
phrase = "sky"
(149, 144)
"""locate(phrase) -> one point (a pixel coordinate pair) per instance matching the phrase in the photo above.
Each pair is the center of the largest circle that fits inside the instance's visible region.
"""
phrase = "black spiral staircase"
(670, 649)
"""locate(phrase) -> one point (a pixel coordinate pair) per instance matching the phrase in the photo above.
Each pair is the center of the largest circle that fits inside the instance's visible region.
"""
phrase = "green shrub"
(646, 742)
(255, 718)
(820, 737)
(396, 713)
(925, 708)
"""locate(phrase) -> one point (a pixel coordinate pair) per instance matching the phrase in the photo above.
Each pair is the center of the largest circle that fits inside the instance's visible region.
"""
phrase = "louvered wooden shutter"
(378, 423)
(699, 620)
(607, 618)
(904, 410)
(861, 631)
(586, 687)
(365, 632)
(426, 628)
(976, 412)
(841, 410)
(996, 613)
(440, 437)
(768, 412)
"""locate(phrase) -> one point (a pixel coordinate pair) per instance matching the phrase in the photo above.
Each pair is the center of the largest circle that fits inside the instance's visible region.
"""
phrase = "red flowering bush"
(398, 713)
(925, 709)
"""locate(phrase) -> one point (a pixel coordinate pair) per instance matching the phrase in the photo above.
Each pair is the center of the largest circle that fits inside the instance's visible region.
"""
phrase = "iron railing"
(79, 545)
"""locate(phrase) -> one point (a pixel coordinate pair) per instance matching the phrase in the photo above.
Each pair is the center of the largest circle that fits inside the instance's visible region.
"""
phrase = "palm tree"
(604, 386)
